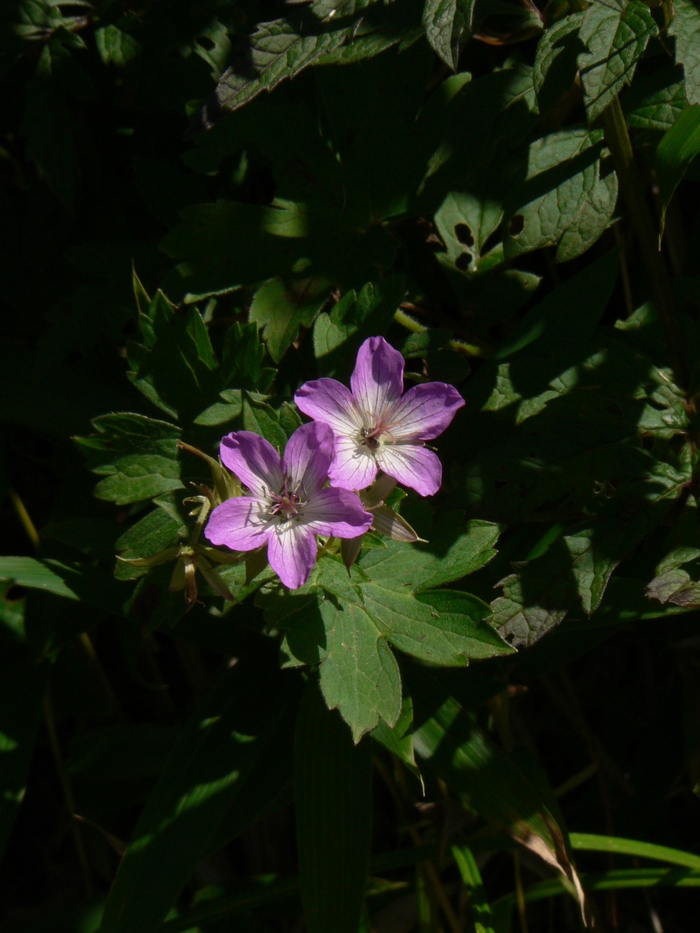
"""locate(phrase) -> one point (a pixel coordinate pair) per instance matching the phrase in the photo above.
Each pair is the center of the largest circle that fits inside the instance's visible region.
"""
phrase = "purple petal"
(308, 455)
(424, 412)
(377, 382)
(330, 402)
(336, 512)
(353, 466)
(413, 466)
(291, 551)
(242, 524)
(254, 461)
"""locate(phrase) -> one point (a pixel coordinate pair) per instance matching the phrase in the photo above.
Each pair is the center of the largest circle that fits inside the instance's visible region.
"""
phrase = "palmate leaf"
(556, 65)
(656, 101)
(616, 38)
(677, 577)
(346, 624)
(313, 32)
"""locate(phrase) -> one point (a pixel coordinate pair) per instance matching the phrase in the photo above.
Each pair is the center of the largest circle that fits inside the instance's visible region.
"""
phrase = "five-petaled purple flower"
(376, 426)
(287, 504)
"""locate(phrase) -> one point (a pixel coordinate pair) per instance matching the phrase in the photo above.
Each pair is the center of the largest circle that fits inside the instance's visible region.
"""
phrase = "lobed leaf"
(138, 456)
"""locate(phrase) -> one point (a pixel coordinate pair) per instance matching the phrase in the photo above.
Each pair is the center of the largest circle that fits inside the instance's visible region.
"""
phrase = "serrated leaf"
(567, 199)
(174, 366)
(48, 576)
(686, 30)
(338, 334)
(261, 419)
(465, 223)
(282, 48)
(333, 809)
(155, 532)
(399, 739)
(348, 632)
(281, 309)
(615, 41)
(448, 26)
(654, 102)
(138, 456)
(223, 412)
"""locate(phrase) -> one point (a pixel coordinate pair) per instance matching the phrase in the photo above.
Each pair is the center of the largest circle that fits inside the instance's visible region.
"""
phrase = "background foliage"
(207, 204)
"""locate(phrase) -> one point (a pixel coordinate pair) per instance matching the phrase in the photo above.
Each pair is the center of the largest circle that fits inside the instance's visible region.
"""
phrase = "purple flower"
(286, 505)
(376, 427)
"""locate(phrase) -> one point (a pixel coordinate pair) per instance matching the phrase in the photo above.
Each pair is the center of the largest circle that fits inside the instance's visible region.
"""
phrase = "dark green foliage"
(207, 205)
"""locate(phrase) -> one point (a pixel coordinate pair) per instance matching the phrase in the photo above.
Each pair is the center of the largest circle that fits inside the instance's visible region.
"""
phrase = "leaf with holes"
(567, 199)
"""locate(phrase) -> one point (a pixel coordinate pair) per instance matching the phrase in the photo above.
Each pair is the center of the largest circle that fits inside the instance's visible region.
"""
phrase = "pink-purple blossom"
(286, 505)
(376, 426)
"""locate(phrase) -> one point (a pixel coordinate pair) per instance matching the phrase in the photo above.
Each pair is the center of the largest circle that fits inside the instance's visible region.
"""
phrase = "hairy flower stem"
(617, 138)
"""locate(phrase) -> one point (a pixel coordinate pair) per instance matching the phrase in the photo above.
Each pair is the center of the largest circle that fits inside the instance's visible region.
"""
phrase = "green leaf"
(281, 309)
(138, 456)
(399, 739)
(48, 576)
(655, 101)
(465, 223)
(337, 335)
(261, 419)
(205, 781)
(615, 39)
(116, 47)
(686, 30)
(348, 625)
(333, 808)
(449, 25)
(155, 532)
(223, 412)
(174, 367)
(567, 199)
(243, 357)
(282, 48)
(556, 65)
(677, 149)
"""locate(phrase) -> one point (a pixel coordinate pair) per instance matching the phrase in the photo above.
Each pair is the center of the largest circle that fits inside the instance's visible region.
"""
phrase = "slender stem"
(520, 892)
(25, 519)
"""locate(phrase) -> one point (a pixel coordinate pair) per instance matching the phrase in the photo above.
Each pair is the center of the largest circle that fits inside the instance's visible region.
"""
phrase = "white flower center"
(287, 504)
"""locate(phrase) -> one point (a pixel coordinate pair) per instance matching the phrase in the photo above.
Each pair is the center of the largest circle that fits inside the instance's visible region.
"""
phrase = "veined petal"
(353, 465)
(411, 465)
(336, 512)
(242, 524)
(291, 551)
(377, 381)
(254, 461)
(308, 456)
(330, 402)
(424, 412)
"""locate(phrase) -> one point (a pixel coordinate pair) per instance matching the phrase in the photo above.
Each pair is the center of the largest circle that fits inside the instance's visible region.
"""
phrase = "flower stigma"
(288, 504)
